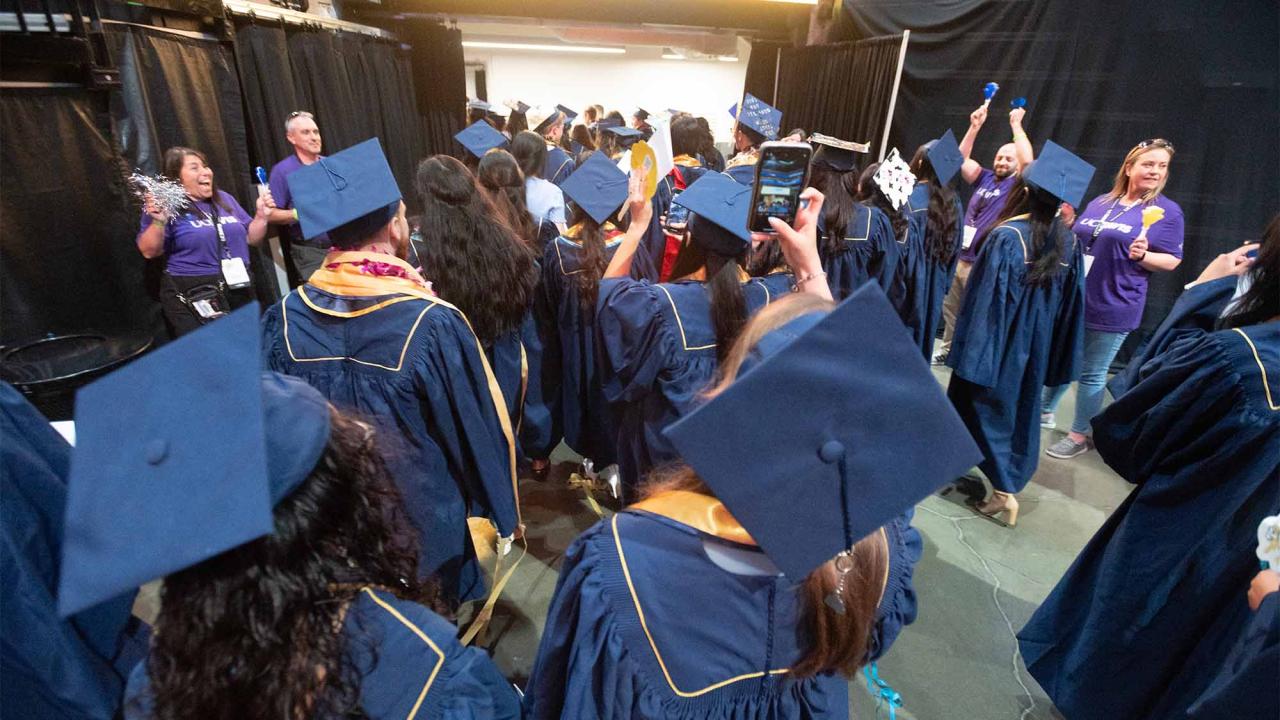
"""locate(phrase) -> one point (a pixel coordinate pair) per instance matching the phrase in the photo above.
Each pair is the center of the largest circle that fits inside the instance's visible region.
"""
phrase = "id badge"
(970, 232)
(235, 273)
(205, 309)
(1088, 263)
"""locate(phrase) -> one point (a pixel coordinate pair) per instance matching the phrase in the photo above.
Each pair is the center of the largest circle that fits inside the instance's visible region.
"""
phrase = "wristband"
(795, 287)
(1019, 134)
(295, 214)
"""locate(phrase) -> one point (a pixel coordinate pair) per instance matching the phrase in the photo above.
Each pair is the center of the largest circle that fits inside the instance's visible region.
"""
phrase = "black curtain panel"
(182, 89)
(68, 263)
(1099, 77)
(270, 93)
(440, 79)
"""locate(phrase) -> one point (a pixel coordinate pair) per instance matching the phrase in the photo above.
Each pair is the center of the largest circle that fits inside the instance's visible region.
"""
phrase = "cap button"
(831, 451)
(157, 451)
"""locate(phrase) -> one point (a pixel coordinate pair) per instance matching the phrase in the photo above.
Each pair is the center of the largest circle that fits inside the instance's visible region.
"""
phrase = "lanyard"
(224, 251)
(1098, 230)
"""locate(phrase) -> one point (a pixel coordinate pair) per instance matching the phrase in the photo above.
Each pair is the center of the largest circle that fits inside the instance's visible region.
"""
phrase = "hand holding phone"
(781, 174)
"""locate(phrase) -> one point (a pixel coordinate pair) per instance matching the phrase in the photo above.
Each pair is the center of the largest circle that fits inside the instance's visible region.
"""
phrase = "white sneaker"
(1047, 421)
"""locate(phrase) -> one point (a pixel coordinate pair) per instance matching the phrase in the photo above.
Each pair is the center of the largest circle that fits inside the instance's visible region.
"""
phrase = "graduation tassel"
(881, 691)
(832, 451)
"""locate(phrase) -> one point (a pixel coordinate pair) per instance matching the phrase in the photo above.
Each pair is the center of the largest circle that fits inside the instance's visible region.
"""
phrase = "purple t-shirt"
(990, 194)
(1116, 287)
(279, 184)
(191, 241)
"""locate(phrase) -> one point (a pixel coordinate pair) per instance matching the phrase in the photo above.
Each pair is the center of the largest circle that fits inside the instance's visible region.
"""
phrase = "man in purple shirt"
(990, 193)
(304, 135)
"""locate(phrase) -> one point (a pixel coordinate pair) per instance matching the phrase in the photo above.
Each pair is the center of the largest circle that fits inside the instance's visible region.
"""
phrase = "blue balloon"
(1018, 102)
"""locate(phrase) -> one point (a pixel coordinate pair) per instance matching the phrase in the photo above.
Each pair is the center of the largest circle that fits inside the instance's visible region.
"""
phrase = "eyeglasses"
(305, 114)
(1156, 142)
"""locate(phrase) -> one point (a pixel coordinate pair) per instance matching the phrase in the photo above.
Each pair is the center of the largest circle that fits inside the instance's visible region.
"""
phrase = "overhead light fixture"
(672, 56)
(487, 45)
(795, 2)
(726, 58)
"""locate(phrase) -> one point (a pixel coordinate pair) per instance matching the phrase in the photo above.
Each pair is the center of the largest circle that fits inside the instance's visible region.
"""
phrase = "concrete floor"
(978, 583)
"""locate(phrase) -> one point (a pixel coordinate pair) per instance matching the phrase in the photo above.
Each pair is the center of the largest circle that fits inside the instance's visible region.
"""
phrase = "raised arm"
(1021, 142)
(641, 211)
(971, 168)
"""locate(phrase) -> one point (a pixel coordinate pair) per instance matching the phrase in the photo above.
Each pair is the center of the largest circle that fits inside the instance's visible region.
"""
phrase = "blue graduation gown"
(558, 166)
(643, 625)
(570, 379)
(744, 173)
(410, 665)
(1197, 310)
(921, 283)
(1120, 635)
(869, 252)
(656, 352)
(412, 366)
(1011, 340)
(53, 669)
(516, 359)
(1244, 687)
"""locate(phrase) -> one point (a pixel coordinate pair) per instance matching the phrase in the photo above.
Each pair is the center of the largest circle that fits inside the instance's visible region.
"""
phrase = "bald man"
(990, 193)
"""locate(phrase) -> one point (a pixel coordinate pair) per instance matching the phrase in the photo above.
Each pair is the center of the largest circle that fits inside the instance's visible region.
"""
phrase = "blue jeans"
(1100, 349)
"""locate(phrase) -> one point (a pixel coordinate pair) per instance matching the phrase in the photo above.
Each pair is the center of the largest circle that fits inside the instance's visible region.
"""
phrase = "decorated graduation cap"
(857, 432)
(895, 179)
(568, 114)
(348, 194)
(163, 479)
(839, 155)
(542, 119)
(944, 156)
(720, 206)
(641, 113)
(1059, 172)
(517, 106)
(597, 186)
(626, 135)
(759, 116)
(479, 138)
(477, 104)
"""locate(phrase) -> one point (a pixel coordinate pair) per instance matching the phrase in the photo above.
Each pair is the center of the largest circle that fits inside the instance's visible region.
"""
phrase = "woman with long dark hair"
(565, 306)
(212, 229)
(933, 246)
(291, 584)
(1021, 326)
(856, 241)
(500, 176)
(660, 343)
(1160, 590)
(475, 262)
(544, 200)
(678, 607)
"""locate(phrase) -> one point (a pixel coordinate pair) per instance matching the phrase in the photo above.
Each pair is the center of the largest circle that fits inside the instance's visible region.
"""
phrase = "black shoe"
(941, 358)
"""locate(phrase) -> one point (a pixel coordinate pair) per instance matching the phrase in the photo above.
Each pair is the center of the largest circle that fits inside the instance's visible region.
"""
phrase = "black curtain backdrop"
(842, 89)
(357, 87)
(67, 259)
(1099, 77)
(179, 89)
(440, 75)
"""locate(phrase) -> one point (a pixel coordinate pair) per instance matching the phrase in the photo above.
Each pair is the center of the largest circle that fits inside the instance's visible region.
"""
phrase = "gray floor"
(978, 583)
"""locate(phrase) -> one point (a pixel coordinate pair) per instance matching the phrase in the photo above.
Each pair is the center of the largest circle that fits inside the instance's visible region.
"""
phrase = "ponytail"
(593, 259)
(728, 304)
(869, 194)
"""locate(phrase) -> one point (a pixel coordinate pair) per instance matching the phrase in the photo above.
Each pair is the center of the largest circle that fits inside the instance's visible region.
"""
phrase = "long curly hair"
(469, 254)
(594, 259)
(942, 241)
(500, 176)
(254, 633)
(1049, 237)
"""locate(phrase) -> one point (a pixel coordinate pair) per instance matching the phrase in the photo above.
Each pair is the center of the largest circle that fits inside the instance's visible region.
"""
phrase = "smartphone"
(677, 218)
(781, 175)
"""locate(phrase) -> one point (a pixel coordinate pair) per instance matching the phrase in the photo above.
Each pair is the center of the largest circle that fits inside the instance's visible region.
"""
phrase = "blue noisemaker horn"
(261, 175)
(1018, 102)
(989, 90)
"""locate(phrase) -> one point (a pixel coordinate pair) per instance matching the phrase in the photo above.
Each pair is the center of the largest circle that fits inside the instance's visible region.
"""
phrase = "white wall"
(619, 82)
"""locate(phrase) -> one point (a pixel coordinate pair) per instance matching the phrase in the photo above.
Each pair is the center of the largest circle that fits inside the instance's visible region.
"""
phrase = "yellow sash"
(700, 512)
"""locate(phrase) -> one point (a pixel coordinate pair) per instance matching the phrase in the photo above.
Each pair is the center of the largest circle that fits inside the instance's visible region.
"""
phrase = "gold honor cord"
(499, 583)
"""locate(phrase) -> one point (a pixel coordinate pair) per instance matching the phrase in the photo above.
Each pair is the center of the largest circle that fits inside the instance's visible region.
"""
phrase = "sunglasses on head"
(305, 114)
(1156, 142)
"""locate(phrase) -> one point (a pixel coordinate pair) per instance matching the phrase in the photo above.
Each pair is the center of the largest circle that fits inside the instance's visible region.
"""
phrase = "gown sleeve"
(1195, 313)
(898, 604)
(1183, 408)
(546, 320)
(983, 326)
(539, 433)
(631, 340)
(1067, 350)
(465, 410)
(887, 246)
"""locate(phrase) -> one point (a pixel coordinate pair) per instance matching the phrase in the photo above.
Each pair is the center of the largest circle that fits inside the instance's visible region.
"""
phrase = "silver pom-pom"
(164, 194)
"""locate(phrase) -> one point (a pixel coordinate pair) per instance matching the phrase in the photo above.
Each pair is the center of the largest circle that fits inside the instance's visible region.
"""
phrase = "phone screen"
(677, 217)
(780, 178)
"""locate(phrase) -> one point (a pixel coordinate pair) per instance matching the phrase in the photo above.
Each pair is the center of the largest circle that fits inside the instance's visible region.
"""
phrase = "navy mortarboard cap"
(568, 114)
(606, 123)
(721, 206)
(626, 135)
(180, 456)
(501, 111)
(1059, 172)
(858, 432)
(641, 113)
(597, 186)
(344, 187)
(759, 116)
(944, 155)
(479, 138)
(475, 104)
(518, 106)
(542, 118)
(839, 155)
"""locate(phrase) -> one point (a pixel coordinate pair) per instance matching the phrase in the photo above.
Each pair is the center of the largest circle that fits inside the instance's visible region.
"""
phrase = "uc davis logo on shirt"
(1109, 225)
(208, 223)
